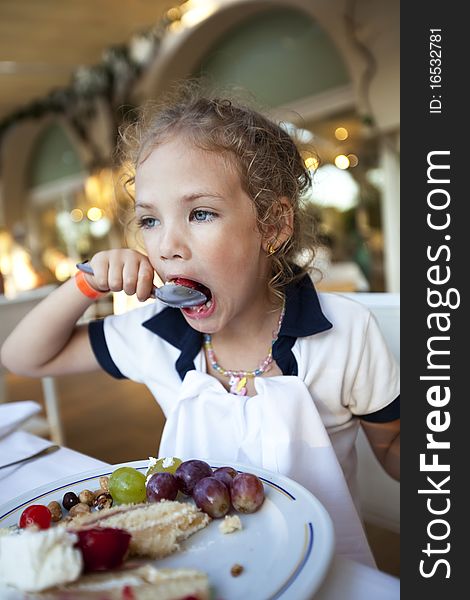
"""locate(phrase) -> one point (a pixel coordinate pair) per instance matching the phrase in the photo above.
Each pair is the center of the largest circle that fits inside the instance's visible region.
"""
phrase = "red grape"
(36, 514)
(212, 497)
(190, 472)
(162, 486)
(247, 493)
(103, 548)
(230, 470)
(224, 477)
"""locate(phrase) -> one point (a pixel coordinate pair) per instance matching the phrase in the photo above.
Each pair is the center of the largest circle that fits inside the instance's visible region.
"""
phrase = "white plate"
(285, 548)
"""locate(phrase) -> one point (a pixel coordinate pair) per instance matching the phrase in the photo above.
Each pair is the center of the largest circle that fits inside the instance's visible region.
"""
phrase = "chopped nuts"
(79, 509)
(86, 497)
(103, 500)
(104, 483)
(55, 510)
(236, 570)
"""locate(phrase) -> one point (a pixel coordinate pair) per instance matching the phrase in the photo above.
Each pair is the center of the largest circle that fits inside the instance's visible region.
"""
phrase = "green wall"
(280, 56)
(53, 157)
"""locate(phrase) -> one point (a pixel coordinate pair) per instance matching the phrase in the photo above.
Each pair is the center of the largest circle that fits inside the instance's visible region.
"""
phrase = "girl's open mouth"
(203, 310)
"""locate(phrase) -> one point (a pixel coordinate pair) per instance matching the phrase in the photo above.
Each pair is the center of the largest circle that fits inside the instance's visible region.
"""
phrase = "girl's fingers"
(122, 269)
(144, 280)
(115, 276)
(100, 278)
(129, 274)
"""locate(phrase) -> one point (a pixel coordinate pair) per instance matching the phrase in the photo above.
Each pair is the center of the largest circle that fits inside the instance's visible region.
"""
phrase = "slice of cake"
(156, 528)
(140, 583)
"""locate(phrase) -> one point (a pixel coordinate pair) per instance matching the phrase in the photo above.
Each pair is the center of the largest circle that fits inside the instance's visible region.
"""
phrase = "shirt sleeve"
(390, 413)
(376, 387)
(123, 347)
(101, 350)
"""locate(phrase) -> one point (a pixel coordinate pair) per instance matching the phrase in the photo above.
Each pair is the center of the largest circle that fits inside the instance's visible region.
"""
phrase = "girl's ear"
(281, 226)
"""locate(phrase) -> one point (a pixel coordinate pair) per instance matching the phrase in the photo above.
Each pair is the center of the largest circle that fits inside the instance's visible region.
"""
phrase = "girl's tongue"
(195, 285)
(205, 309)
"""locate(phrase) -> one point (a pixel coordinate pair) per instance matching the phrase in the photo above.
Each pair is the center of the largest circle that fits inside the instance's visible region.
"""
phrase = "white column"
(390, 164)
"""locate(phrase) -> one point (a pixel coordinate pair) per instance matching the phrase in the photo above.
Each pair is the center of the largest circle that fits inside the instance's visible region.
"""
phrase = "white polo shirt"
(330, 342)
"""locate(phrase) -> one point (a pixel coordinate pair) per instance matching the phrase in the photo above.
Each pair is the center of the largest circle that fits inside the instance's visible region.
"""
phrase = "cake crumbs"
(230, 524)
(236, 570)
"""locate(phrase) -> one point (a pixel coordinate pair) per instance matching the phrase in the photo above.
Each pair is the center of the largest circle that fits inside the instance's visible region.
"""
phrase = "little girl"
(258, 372)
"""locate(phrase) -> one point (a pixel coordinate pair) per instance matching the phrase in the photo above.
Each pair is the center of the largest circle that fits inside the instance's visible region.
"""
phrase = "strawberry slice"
(103, 548)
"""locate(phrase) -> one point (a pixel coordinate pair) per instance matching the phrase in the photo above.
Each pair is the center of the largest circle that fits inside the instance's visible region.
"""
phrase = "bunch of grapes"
(214, 492)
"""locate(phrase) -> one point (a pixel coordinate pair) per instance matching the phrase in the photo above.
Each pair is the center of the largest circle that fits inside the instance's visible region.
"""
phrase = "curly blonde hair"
(266, 157)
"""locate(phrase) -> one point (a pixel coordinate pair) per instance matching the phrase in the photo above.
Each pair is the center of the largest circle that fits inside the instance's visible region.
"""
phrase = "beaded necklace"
(239, 379)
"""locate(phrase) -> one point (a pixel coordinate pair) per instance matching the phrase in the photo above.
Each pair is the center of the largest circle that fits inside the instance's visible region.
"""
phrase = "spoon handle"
(42, 452)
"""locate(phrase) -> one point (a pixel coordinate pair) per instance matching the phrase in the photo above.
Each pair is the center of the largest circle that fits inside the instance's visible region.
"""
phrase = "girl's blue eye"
(202, 216)
(147, 222)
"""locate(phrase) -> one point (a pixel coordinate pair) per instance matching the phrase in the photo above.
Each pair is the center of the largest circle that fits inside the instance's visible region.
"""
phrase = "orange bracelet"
(86, 288)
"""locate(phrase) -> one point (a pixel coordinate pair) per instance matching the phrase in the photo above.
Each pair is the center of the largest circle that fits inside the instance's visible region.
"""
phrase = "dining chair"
(12, 310)
(379, 493)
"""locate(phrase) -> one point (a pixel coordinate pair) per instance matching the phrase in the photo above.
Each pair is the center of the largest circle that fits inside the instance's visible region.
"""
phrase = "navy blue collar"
(303, 317)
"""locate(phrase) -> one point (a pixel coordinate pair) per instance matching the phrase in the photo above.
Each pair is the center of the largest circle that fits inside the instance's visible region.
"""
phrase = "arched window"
(67, 218)
(280, 56)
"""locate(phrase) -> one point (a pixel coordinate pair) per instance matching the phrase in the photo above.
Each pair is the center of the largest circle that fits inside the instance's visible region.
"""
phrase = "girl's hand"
(123, 269)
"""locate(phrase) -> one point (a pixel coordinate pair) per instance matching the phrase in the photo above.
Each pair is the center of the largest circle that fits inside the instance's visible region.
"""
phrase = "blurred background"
(71, 72)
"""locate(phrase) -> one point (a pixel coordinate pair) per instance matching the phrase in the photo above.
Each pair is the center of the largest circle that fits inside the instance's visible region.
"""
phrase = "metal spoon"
(177, 296)
(42, 452)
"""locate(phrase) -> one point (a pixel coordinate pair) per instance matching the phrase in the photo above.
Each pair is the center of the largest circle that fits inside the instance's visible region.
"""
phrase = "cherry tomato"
(36, 514)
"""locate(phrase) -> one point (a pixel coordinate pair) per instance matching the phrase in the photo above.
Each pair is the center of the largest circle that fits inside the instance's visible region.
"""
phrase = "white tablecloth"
(346, 579)
(18, 479)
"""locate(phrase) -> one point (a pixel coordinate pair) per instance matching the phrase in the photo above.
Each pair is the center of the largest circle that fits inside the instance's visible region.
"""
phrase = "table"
(345, 579)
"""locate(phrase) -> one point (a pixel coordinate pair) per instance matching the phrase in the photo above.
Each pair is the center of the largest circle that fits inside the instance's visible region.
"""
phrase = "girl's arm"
(384, 439)
(48, 340)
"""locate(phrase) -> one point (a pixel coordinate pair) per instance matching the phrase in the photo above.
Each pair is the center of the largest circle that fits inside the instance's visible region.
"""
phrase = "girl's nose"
(173, 244)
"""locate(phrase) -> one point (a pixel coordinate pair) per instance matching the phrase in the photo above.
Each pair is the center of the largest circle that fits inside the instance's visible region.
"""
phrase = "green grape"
(127, 486)
(164, 465)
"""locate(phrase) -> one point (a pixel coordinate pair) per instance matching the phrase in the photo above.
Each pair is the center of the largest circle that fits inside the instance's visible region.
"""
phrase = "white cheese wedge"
(34, 560)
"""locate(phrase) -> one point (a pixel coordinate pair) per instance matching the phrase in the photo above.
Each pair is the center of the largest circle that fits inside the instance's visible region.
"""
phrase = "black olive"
(69, 500)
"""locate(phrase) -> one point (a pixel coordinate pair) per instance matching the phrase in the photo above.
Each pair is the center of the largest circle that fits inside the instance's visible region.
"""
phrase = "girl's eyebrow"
(197, 195)
(145, 205)
(185, 198)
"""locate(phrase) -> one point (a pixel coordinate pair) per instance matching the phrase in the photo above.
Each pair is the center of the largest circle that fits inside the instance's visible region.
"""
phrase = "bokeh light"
(311, 163)
(94, 213)
(341, 133)
(342, 161)
(353, 160)
(76, 215)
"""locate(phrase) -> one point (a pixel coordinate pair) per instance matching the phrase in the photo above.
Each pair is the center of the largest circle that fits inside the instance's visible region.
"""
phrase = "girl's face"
(199, 224)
